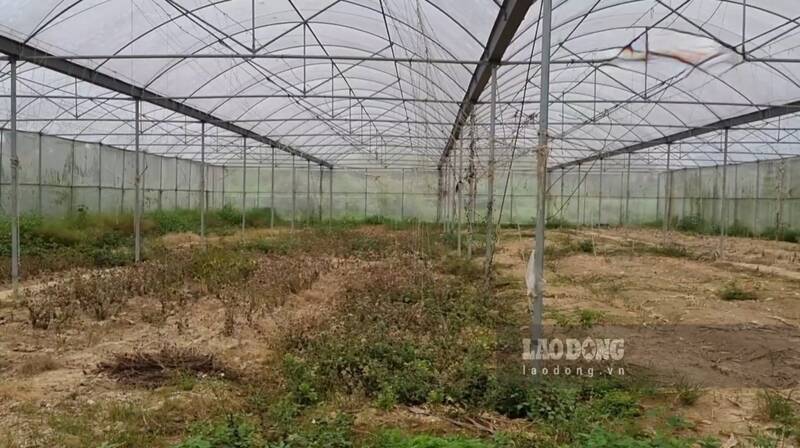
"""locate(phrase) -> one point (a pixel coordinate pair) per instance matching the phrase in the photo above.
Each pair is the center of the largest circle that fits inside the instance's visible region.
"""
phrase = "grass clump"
(732, 292)
(776, 407)
(580, 318)
(688, 393)
(786, 235)
(397, 439)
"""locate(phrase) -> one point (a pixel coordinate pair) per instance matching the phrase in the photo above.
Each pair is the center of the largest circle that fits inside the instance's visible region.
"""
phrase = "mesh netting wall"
(57, 176)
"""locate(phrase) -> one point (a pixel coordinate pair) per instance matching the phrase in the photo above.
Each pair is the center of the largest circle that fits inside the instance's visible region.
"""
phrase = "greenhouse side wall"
(761, 196)
(57, 176)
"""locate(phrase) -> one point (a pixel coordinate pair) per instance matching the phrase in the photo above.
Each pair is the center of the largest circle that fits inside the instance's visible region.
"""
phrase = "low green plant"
(603, 438)
(687, 393)
(776, 407)
(579, 318)
(397, 439)
(692, 223)
(234, 432)
(733, 292)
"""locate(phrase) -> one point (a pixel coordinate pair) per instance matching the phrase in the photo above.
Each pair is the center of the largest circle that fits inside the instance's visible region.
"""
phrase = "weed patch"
(734, 293)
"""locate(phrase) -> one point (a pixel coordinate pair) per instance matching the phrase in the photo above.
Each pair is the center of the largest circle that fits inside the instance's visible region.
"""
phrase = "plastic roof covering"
(619, 93)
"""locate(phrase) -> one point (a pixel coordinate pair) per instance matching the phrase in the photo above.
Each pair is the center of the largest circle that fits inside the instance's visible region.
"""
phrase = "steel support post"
(562, 201)
(460, 190)
(440, 190)
(402, 194)
(578, 190)
(723, 222)
(15, 245)
(137, 180)
(309, 213)
(330, 196)
(321, 172)
(294, 193)
(366, 181)
(600, 193)
(511, 197)
(39, 205)
(272, 191)
(779, 214)
(244, 182)
(203, 180)
(490, 186)
(757, 198)
(628, 191)
(541, 175)
(667, 195)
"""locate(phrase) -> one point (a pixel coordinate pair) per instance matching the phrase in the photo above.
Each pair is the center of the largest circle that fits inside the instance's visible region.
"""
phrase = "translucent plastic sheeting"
(624, 72)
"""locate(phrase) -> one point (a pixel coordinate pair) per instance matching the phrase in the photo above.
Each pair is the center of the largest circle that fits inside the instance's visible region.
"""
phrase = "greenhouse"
(399, 223)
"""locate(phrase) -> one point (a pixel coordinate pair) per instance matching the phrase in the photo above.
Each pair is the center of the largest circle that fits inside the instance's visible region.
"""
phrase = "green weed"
(732, 292)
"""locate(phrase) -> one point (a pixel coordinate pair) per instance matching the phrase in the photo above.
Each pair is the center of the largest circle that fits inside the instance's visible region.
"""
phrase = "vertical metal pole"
(779, 213)
(203, 180)
(321, 171)
(15, 246)
(72, 177)
(472, 185)
(439, 195)
(490, 180)
(294, 193)
(402, 194)
(667, 194)
(365, 192)
(744, 29)
(137, 211)
(460, 189)
(757, 199)
(580, 183)
(258, 180)
(628, 191)
(511, 198)
(443, 200)
(330, 196)
(561, 194)
(272, 192)
(244, 182)
(600, 194)
(724, 205)
(309, 213)
(541, 174)
(39, 178)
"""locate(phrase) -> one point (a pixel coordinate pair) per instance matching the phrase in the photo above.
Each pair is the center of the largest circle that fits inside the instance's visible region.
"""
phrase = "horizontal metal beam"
(728, 123)
(615, 102)
(28, 53)
(509, 18)
(319, 57)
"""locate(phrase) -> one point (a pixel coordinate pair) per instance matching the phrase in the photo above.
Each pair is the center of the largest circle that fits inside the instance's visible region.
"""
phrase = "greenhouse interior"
(400, 223)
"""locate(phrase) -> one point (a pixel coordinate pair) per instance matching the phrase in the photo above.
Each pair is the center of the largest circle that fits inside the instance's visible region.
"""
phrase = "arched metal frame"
(361, 83)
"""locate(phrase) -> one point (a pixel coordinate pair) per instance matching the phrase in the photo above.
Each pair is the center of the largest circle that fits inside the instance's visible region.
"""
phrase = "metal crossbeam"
(509, 18)
(759, 115)
(28, 53)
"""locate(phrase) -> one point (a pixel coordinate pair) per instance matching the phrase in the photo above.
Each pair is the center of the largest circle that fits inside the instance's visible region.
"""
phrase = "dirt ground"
(42, 370)
(669, 311)
(667, 308)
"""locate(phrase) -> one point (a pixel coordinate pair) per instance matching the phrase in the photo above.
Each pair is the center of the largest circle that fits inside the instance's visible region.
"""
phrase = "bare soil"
(670, 313)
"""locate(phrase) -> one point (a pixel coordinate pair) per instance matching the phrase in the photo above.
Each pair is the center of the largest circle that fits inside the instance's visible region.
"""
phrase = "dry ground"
(669, 311)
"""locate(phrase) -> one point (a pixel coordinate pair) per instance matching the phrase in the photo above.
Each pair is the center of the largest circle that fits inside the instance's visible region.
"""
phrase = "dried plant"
(155, 368)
